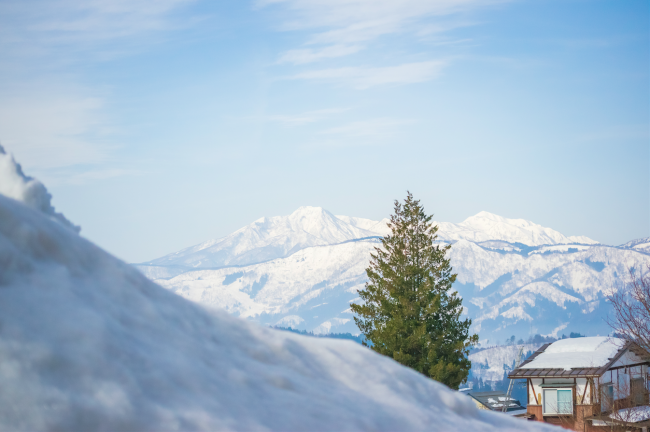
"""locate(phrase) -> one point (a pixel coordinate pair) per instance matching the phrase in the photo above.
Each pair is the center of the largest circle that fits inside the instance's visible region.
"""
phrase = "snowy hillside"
(311, 289)
(517, 277)
(528, 293)
(492, 364)
(641, 245)
(486, 226)
(267, 239)
(280, 236)
(88, 343)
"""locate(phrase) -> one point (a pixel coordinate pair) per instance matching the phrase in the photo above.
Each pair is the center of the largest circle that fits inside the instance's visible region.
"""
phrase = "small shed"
(585, 383)
(494, 401)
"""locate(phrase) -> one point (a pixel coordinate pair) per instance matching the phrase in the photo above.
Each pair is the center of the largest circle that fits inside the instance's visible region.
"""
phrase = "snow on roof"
(587, 352)
(88, 343)
(632, 415)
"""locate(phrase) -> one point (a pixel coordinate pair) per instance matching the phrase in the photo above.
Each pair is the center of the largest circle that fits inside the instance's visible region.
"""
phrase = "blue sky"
(158, 127)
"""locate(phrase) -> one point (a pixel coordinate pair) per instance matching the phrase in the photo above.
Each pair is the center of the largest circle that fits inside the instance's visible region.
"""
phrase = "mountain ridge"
(266, 239)
(275, 237)
(508, 286)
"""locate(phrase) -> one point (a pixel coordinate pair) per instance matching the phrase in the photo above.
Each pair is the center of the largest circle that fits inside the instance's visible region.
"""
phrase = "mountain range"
(303, 271)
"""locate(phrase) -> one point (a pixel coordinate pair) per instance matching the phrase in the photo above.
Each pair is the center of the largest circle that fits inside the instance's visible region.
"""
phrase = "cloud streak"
(51, 127)
(362, 78)
(302, 56)
(84, 22)
(47, 118)
(373, 128)
(306, 117)
(339, 25)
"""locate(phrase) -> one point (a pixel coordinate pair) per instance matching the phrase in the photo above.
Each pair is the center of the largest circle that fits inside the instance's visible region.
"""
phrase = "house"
(494, 400)
(588, 384)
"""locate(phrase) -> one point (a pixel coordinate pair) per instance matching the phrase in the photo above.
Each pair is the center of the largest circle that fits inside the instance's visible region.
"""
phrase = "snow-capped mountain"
(486, 226)
(303, 271)
(269, 238)
(642, 244)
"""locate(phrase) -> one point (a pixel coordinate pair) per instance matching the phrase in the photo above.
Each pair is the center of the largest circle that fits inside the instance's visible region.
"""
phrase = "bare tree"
(620, 407)
(631, 304)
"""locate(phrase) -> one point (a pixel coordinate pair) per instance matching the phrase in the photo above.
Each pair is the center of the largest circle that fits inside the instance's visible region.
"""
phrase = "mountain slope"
(88, 343)
(486, 226)
(641, 245)
(516, 277)
(266, 239)
(312, 288)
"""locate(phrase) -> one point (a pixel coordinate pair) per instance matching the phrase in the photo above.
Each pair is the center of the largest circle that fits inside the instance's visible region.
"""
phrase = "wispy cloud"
(373, 128)
(366, 77)
(362, 20)
(355, 23)
(301, 56)
(50, 127)
(47, 118)
(77, 177)
(306, 117)
(57, 21)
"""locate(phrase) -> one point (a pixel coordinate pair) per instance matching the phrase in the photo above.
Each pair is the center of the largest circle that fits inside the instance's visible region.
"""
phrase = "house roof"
(494, 400)
(569, 358)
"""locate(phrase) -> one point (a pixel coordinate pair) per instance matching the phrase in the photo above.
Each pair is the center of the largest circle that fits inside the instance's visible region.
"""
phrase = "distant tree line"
(358, 338)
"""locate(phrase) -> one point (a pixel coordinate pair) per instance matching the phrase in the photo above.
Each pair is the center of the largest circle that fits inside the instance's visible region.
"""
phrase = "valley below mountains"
(304, 270)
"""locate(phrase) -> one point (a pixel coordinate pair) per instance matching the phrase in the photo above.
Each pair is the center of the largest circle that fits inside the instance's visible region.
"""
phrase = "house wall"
(587, 400)
(534, 390)
(627, 359)
(620, 377)
(579, 389)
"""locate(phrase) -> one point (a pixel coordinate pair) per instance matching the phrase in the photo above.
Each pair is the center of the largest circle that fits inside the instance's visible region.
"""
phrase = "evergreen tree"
(409, 311)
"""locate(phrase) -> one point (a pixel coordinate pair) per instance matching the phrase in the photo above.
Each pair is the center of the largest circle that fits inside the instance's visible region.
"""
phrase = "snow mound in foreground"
(88, 343)
(28, 190)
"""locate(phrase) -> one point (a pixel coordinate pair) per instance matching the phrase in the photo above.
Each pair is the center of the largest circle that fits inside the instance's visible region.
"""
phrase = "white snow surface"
(88, 343)
(490, 364)
(326, 276)
(486, 226)
(587, 352)
(641, 245)
(31, 192)
(267, 239)
(632, 415)
(379, 228)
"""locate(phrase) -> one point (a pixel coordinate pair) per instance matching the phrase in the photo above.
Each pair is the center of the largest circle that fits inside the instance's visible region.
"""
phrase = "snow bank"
(88, 343)
(16, 185)
(577, 352)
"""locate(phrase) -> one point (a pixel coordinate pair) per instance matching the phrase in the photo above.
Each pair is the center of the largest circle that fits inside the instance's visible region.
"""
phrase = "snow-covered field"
(88, 343)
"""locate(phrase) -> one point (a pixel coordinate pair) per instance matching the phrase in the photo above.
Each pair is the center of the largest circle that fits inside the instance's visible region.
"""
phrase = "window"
(638, 391)
(607, 397)
(558, 401)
